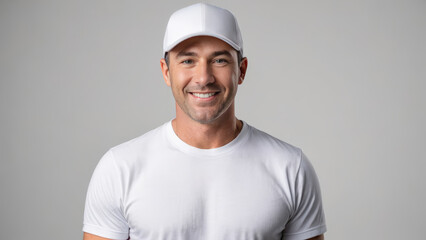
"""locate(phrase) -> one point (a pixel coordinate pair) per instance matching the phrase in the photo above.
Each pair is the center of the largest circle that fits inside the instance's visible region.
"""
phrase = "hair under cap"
(202, 19)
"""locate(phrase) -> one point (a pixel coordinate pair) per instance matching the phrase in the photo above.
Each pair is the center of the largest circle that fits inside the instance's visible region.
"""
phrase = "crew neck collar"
(212, 152)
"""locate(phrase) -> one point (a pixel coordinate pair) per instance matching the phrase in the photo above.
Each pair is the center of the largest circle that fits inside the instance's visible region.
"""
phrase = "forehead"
(202, 45)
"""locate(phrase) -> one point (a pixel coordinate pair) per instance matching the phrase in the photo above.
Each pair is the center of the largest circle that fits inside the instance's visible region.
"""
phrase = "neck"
(206, 136)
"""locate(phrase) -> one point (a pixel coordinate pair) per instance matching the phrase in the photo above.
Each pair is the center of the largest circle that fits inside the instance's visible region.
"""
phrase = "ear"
(165, 71)
(243, 70)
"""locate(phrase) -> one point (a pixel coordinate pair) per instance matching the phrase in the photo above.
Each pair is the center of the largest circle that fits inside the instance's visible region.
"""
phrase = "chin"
(204, 118)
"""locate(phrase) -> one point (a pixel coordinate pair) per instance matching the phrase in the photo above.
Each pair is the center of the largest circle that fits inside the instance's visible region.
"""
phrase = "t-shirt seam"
(114, 161)
(103, 229)
(295, 206)
(305, 231)
(225, 152)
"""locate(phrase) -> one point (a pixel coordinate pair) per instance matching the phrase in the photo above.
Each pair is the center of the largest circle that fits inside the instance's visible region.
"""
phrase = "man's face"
(204, 75)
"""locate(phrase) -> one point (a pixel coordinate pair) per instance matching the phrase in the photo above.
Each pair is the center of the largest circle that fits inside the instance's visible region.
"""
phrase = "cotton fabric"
(158, 187)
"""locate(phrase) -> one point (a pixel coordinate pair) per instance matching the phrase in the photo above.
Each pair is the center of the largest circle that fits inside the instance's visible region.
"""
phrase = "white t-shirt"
(158, 187)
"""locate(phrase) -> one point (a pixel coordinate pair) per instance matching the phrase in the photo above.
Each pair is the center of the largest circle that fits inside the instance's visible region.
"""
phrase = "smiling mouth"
(204, 95)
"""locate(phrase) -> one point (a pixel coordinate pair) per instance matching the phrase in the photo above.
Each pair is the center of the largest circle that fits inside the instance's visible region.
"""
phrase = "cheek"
(228, 78)
(182, 78)
(176, 79)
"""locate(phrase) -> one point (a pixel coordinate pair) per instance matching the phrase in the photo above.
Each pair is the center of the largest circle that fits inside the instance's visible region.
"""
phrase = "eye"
(221, 61)
(188, 61)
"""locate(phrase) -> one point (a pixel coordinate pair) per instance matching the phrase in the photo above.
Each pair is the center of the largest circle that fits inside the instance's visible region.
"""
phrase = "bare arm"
(320, 237)
(88, 236)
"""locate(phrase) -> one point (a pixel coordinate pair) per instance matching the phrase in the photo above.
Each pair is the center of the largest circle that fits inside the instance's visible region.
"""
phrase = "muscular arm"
(320, 237)
(88, 236)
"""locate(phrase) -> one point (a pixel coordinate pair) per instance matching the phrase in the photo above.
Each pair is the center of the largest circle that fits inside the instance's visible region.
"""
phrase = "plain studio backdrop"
(343, 80)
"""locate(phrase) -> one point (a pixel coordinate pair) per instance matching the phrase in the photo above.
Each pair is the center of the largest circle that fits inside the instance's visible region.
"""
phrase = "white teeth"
(203, 95)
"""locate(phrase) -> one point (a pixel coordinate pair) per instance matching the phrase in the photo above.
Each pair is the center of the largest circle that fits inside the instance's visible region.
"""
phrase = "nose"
(203, 75)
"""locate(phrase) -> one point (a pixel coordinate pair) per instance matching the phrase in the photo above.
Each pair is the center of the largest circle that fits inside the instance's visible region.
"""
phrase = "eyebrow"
(224, 52)
(193, 54)
(186, 54)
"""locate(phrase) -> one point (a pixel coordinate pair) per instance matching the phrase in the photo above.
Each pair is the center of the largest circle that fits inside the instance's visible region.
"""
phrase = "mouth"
(204, 95)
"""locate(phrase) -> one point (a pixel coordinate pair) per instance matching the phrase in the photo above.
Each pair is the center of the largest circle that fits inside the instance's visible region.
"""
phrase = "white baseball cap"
(202, 19)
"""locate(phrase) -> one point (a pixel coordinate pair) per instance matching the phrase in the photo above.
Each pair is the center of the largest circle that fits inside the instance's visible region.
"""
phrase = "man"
(205, 174)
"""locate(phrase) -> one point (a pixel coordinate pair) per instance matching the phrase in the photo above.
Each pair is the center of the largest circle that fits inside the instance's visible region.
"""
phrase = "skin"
(204, 65)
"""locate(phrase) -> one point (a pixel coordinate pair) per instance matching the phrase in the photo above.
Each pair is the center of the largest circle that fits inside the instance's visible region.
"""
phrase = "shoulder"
(143, 139)
(265, 142)
(143, 145)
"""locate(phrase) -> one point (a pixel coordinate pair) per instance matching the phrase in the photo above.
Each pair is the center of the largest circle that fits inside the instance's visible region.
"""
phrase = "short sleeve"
(307, 219)
(103, 214)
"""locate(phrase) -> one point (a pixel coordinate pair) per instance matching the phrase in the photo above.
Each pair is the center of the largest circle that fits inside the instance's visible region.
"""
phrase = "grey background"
(343, 80)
